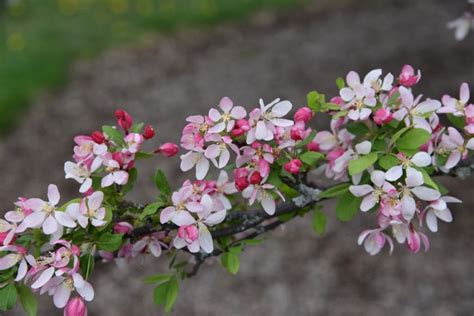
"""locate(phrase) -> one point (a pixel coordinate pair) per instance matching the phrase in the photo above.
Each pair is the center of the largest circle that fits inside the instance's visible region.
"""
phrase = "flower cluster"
(384, 146)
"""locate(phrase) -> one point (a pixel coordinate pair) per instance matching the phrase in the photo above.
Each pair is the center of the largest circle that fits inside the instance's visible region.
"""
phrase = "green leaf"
(150, 209)
(274, 178)
(358, 128)
(427, 179)
(231, 262)
(143, 155)
(8, 297)
(457, 121)
(413, 139)
(252, 242)
(157, 278)
(347, 206)
(388, 161)
(307, 140)
(137, 128)
(360, 164)
(113, 134)
(315, 101)
(110, 242)
(161, 182)
(340, 83)
(335, 190)
(28, 300)
(397, 135)
(159, 294)
(87, 265)
(132, 178)
(311, 157)
(319, 222)
(171, 294)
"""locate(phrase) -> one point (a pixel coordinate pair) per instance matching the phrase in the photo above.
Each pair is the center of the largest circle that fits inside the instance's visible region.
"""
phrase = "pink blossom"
(457, 107)
(439, 210)
(82, 173)
(133, 142)
(261, 193)
(15, 255)
(219, 150)
(265, 120)
(195, 159)
(150, 243)
(45, 214)
(61, 287)
(407, 76)
(372, 195)
(416, 239)
(359, 98)
(182, 205)
(86, 148)
(374, 240)
(454, 142)
(372, 80)
(383, 116)
(225, 121)
(89, 210)
(261, 155)
(413, 112)
(115, 173)
(420, 159)
(75, 307)
(293, 166)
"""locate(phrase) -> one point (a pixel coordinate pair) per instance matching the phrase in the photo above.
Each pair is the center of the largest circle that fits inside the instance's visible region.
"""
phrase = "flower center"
(226, 117)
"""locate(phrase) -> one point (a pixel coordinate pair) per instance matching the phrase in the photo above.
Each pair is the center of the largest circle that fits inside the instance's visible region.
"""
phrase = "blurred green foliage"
(40, 38)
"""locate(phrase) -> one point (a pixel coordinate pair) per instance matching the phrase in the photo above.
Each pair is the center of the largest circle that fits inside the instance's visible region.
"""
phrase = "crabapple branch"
(384, 148)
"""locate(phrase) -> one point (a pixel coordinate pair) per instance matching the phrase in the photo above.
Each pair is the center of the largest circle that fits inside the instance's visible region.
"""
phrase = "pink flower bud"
(168, 149)
(3, 236)
(149, 132)
(75, 307)
(241, 126)
(313, 146)
(98, 137)
(241, 183)
(407, 77)
(123, 228)
(383, 116)
(297, 133)
(337, 100)
(189, 233)
(304, 114)
(124, 119)
(241, 173)
(255, 178)
(293, 166)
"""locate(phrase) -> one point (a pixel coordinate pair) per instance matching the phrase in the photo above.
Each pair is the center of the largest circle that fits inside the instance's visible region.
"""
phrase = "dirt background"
(162, 80)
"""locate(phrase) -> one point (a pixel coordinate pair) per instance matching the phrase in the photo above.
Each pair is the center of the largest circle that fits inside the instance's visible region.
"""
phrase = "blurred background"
(66, 65)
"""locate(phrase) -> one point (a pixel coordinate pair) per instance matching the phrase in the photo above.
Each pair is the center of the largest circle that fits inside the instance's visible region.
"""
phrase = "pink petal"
(95, 200)
(8, 261)
(44, 277)
(238, 113)
(226, 104)
(53, 194)
(464, 93)
(214, 115)
(61, 295)
(50, 225)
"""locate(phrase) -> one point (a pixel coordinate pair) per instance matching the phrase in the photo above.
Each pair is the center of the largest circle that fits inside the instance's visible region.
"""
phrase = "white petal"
(44, 277)
(205, 239)
(378, 178)
(408, 207)
(394, 173)
(53, 194)
(361, 190)
(61, 295)
(64, 219)
(426, 194)
(268, 205)
(281, 109)
(414, 177)
(432, 221)
(87, 292)
(50, 225)
(368, 203)
(261, 130)
(421, 159)
(364, 147)
(202, 168)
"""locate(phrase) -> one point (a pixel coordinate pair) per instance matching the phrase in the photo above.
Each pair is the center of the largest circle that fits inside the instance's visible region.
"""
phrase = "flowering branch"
(384, 149)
